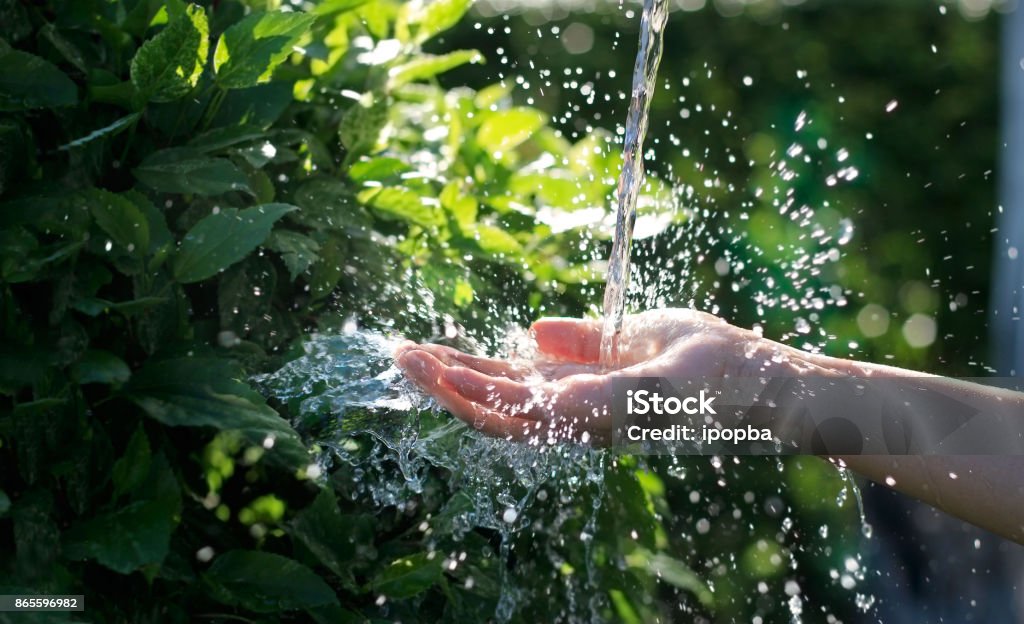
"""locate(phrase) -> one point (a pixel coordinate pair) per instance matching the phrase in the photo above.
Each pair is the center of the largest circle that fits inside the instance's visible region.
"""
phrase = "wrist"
(761, 357)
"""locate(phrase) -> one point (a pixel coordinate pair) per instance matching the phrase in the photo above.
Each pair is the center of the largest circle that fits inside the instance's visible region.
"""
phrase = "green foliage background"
(188, 190)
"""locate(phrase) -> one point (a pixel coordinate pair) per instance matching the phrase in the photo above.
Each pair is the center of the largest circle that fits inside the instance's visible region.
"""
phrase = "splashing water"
(350, 397)
(552, 508)
(645, 73)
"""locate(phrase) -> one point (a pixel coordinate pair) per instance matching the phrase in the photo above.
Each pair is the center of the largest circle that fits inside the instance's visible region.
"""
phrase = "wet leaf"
(249, 50)
(672, 571)
(429, 65)
(361, 126)
(338, 541)
(120, 219)
(396, 202)
(330, 7)
(110, 130)
(29, 82)
(220, 138)
(266, 583)
(408, 576)
(496, 241)
(258, 106)
(328, 271)
(224, 238)
(181, 170)
(209, 392)
(126, 539)
(505, 130)
(436, 17)
(98, 366)
(169, 65)
(377, 169)
(132, 468)
(94, 306)
(298, 251)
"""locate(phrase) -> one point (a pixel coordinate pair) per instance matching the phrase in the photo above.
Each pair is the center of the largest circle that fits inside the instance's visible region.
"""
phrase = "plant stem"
(213, 108)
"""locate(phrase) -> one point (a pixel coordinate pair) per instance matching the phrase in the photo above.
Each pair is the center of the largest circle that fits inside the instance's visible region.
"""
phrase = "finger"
(584, 401)
(402, 347)
(569, 408)
(487, 366)
(421, 368)
(500, 393)
(426, 371)
(577, 340)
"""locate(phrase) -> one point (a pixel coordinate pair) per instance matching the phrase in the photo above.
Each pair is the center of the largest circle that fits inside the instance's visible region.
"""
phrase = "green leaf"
(672, 571)
(98, 366)
(329, 204)
(502, 131)
(224, 238)
(16, 23)
(160, 238)
(220, 138)
(168, 66)
(436, 17)
(328, 271)
(298, 251)
(36, 536)
(120, 218)
(124, 540)
(210, 392)
(337, 541)
(28, 82)
(265, 583)
(408, 576)
(182, 170)
(244, 296)
(67, 49)
(94, 306)
(377, 169)
(17, 248)
(5, 504)
(131, 469)
(110, 130)
(496, 241)
(361, 126)
(335, 614)
(256, 106)
(401, 203)
(428, 65)
(330, 7)
(248, 51)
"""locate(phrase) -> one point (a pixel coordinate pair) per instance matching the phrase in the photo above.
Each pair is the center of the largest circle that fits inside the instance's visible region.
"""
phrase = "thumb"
(574, 340)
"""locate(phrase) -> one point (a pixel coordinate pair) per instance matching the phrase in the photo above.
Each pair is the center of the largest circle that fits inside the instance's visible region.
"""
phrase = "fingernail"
(403, 347)
(419, 365)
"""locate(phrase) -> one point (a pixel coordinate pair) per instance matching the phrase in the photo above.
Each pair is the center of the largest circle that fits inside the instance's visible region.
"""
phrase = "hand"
(561, 392)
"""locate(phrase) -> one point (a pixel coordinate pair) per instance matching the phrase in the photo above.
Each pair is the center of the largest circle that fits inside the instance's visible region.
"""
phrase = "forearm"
(985, 490)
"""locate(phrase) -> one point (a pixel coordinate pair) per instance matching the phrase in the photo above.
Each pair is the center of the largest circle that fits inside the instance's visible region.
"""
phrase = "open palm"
(562, 392)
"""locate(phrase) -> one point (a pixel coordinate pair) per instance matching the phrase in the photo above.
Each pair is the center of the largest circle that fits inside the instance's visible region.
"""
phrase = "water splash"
(388, 441)
(645, 72)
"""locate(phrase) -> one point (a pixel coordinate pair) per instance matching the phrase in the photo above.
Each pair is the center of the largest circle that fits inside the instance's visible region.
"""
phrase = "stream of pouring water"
(645, 72)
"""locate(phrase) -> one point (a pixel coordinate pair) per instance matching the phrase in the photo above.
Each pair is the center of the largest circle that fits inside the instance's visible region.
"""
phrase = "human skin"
(561, 392)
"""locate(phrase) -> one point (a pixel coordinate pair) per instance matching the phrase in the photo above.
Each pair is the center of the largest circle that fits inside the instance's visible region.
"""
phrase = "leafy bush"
(185, 192)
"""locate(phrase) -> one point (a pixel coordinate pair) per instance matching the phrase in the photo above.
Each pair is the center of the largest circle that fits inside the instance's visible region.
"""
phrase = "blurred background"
(907, 95)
